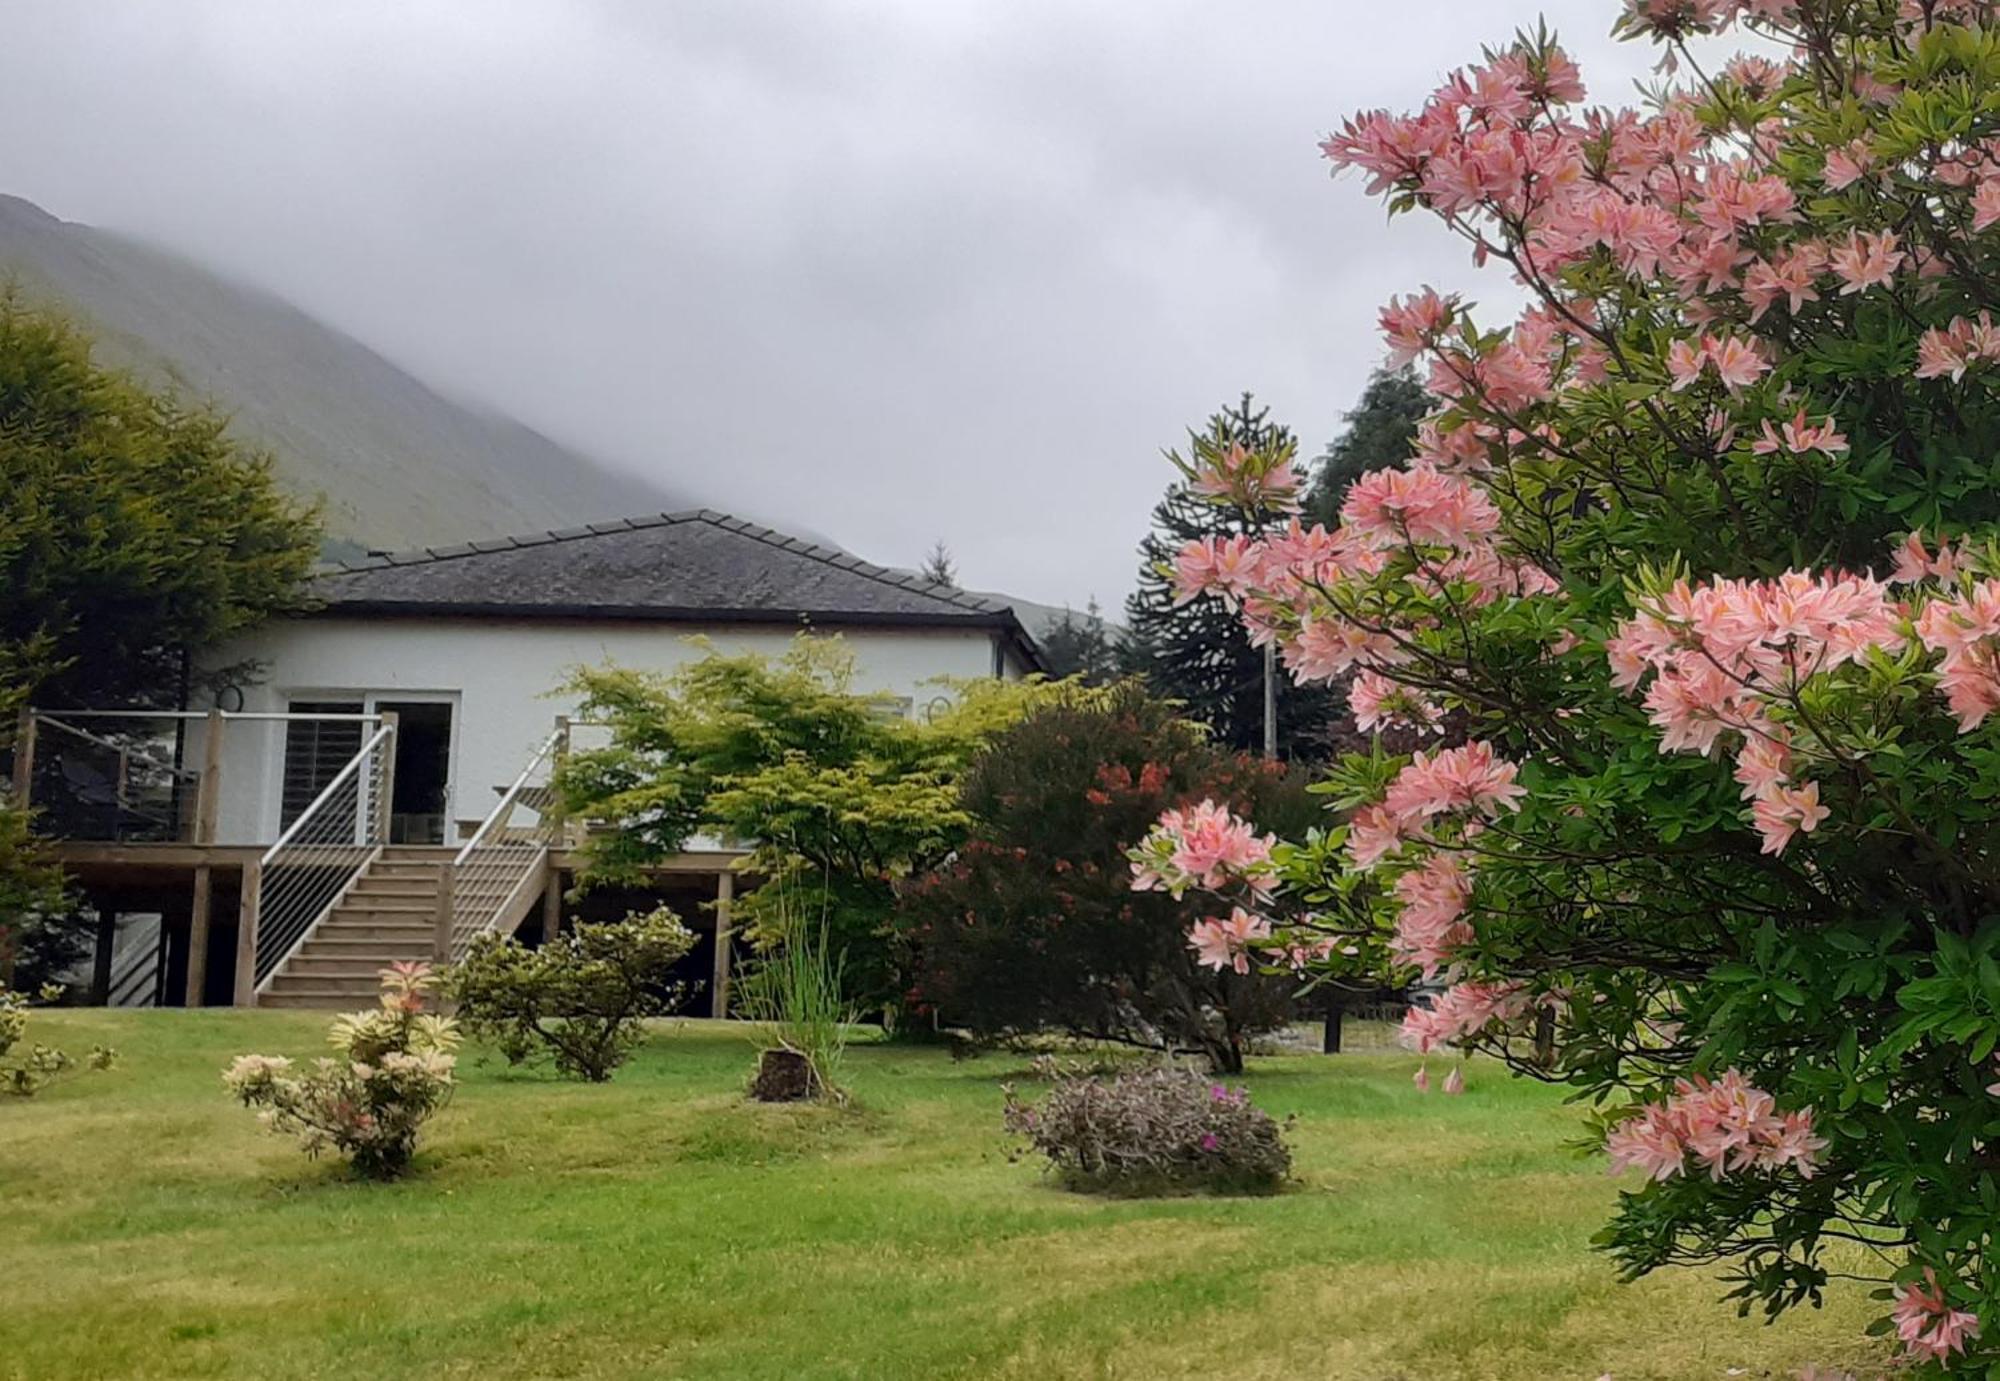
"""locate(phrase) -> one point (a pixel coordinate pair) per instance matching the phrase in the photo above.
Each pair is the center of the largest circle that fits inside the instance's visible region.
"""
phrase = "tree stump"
(784, 1076)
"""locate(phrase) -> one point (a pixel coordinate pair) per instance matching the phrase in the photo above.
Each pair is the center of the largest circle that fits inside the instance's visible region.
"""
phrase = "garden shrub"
(31, 1069)
(1701, 545)
(1153, 1130)
(1034, 927)
(581, 998)
(394, 1072)
(834, 792)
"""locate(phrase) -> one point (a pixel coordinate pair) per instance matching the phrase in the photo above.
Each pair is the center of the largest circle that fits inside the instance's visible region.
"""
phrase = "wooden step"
(409, 867)
(392, 906)
(341, 928)
(416, 885)
(311, 1002)
(363, 968)
(348, 992)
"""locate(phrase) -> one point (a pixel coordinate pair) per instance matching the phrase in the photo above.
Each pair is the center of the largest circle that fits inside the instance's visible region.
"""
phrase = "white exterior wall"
(502, 677)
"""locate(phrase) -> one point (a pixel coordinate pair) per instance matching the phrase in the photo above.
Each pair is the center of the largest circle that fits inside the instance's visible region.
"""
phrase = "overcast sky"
(894, 270)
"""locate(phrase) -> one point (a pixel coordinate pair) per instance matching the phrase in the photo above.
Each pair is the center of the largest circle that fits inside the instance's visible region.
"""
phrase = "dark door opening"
(417, 803)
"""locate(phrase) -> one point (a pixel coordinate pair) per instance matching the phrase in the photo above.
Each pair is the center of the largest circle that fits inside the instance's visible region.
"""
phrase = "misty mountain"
(398, 464)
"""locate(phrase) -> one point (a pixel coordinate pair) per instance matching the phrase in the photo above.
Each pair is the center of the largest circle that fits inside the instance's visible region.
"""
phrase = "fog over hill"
(398, 464)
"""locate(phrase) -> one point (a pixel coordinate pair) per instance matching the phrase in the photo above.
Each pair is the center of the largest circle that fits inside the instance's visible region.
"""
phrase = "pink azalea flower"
(1799, 437)
(1782, 811)
(1225, 944)
(1865, 261)
(1986, 202)
(1927, 1324)
(1412, 326)
(1454, 1082)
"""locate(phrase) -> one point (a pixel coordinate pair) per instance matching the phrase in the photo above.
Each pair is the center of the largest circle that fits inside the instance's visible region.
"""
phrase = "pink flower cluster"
(1966, 629)
(1379, 703)
(1727, 1126)
(1927, 1324)
(1736, 362)
(1226, 944)
(1205, 846)
(1470, 783)
(1722, 655)
(1252, 480)
(1430, 924)
(1953, 349)
(1394, 508)
(1463, 1011)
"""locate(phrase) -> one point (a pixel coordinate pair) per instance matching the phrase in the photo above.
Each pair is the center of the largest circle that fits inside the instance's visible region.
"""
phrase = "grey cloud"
(887, 270)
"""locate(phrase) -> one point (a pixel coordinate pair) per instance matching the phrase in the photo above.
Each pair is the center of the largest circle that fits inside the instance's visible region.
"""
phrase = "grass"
(661, 1227)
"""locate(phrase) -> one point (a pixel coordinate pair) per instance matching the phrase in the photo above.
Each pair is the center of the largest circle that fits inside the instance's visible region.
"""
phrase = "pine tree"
(1378, 433)
(938, 566)
(1084, 646)
(1197, 653)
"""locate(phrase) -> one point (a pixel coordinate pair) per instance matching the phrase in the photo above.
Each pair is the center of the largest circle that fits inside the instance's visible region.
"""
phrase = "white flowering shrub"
(393, 1072)
(26, 1070)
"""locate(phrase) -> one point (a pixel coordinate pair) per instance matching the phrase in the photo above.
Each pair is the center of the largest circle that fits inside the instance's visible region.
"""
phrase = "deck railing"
(503, 859)
(118, 778)
(155, 776)
(318, 857)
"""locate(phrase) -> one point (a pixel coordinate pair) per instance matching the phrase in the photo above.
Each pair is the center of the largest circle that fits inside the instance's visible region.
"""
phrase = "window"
(316, 750)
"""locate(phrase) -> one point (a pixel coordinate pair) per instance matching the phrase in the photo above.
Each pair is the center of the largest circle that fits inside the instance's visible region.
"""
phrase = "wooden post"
(24, 758)
(559, 821)
(197, 974)
(100, 968)
(446, 916)
(208, 791)
(246, 933)
(552, 906)
(725, 895)
(386, 805)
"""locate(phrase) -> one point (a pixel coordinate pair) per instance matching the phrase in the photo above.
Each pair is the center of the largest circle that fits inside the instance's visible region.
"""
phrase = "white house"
(471, 646)
(374, 783)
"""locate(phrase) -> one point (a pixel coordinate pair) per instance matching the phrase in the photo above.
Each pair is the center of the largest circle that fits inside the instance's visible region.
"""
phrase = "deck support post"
(725, 897)
(246, 933)
(386, 805)
(446, 915)
(552, 905)
(198, 916)
(100, 967)
(208, 789)
(24, 757)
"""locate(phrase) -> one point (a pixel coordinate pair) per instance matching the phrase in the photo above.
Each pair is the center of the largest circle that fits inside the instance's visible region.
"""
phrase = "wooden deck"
(201, 892)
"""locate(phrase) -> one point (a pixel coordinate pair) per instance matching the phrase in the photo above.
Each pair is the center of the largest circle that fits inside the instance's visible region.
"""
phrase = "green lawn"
(661, 1227)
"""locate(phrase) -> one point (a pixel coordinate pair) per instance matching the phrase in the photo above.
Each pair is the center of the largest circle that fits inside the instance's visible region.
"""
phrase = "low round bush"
(394, 1072)
(581, 999)
(1153, 1130)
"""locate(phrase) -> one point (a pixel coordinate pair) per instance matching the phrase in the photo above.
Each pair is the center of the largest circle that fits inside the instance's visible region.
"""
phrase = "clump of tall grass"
(794, 994)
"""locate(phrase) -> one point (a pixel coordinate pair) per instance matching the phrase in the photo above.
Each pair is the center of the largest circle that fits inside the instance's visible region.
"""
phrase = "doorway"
(317, 749)
(418, 802)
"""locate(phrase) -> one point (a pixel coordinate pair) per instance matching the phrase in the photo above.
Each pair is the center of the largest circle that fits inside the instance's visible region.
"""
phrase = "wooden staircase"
(389, 914)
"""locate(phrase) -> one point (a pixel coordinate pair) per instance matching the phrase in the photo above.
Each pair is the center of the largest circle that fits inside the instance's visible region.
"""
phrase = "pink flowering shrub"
(394, 1072)
(1153, 1130)
(1701, 550)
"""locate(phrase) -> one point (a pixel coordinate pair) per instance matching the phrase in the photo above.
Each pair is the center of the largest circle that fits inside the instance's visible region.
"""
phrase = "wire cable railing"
(322, 852)
(121, 781)
(503, 857)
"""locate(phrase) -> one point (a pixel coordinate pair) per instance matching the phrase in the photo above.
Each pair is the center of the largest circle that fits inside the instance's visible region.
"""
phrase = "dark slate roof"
(698, 566)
